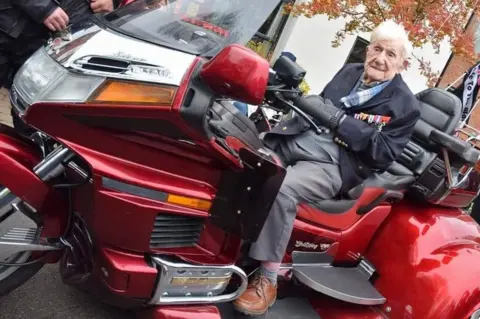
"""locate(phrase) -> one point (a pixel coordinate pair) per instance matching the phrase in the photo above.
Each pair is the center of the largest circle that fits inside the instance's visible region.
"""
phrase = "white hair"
(391, 31)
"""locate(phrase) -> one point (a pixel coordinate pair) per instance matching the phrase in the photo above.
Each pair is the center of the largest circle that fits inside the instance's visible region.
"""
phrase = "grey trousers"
(306, 181)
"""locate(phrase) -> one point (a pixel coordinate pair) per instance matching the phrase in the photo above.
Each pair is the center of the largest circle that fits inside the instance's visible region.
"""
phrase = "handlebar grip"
(309, 105)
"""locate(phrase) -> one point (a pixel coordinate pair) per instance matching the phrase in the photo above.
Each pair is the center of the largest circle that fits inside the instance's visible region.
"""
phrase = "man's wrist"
(336, 119)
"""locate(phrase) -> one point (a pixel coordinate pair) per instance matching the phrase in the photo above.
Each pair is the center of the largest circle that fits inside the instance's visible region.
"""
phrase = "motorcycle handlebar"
(307, 106)
(301, 105)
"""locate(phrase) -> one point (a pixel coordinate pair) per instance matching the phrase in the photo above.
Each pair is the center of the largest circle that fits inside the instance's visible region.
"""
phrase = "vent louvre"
(173, 231)
(103, 65)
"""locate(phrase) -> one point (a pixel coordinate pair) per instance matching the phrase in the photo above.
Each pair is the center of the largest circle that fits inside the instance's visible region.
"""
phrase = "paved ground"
(45, 296)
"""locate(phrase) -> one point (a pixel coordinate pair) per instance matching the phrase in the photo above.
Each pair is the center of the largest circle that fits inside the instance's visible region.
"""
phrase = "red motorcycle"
(147, 185)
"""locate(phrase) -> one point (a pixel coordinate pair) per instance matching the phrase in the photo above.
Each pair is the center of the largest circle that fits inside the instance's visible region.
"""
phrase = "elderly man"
(368, 113)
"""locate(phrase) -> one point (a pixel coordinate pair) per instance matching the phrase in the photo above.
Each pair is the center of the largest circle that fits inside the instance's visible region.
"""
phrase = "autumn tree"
(427, 21)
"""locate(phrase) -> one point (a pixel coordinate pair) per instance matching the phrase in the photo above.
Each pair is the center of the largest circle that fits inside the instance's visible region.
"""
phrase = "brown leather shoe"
(259, 296)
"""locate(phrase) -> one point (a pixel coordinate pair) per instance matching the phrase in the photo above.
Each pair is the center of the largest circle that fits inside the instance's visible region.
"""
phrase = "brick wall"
(455, 67)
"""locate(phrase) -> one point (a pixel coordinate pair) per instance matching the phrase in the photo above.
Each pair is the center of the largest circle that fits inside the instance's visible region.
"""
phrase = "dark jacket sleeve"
(38, 10)
(117, 3)
(378, 149)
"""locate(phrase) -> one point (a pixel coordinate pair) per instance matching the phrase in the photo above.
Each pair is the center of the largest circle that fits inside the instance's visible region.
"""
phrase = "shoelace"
(259, 283)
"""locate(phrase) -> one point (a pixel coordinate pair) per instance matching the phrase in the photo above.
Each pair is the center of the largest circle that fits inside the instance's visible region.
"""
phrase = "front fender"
(428, 260)
(18, 157)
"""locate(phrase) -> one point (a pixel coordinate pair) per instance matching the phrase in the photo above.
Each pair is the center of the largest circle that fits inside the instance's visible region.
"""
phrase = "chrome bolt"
(239, 212)
(165, 294)
(209, 294)
(249, 188)
(105, 272)
(388, 309)
(228, 273)
(188, 294)
(259, 164)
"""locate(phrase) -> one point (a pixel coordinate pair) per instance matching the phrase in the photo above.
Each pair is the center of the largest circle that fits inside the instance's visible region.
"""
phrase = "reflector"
(138, 93)
(189, 202)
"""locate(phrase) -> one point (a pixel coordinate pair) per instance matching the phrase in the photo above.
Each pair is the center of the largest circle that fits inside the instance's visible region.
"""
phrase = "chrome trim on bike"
(80, 171)
(476, 315)
(19, 240)
(50, 166)
(40, 139)
(171, 271)
(4, 193)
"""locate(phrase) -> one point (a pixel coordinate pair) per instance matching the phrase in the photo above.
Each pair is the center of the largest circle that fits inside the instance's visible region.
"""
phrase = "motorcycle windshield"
(200, 27)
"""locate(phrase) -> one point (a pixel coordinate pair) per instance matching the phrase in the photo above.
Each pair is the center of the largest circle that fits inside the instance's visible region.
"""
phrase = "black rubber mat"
(288, 308)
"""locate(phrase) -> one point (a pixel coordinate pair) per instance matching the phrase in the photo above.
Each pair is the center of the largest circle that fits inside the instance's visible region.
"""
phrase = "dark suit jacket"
(16, 15)
(363, 148)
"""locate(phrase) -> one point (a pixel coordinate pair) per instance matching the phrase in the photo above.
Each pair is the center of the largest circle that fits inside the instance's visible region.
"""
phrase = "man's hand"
(101, 5)
(57, 20)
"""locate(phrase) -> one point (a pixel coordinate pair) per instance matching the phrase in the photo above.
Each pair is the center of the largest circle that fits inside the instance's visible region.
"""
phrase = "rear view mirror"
(238, 73)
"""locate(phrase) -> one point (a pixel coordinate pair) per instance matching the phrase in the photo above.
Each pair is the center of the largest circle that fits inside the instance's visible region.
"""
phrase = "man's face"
(384, 60)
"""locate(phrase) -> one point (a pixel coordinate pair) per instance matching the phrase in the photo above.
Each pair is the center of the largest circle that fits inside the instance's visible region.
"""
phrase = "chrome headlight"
(42, 79)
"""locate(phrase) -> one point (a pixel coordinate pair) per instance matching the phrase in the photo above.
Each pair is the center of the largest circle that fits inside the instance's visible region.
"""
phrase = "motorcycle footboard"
(288, 308)
(244, 198)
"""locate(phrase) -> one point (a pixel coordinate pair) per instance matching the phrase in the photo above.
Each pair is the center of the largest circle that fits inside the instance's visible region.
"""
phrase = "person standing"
(25, 27)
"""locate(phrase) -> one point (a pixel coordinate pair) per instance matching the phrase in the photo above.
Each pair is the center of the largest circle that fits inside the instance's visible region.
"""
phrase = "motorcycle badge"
(308, 245)
(58, 39)
(312, 246)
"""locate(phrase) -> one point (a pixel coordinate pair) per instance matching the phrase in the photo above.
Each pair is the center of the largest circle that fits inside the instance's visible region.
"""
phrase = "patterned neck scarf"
(357, 98)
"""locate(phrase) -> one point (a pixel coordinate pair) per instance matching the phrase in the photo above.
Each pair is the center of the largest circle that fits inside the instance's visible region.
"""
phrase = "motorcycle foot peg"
(19, 240)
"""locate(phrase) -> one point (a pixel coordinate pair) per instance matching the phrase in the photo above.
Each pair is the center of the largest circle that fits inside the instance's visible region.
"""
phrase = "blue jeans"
(242, 107)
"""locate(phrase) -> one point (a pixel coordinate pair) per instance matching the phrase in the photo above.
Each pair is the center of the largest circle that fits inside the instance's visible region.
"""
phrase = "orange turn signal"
(136, 93)
(189, 202)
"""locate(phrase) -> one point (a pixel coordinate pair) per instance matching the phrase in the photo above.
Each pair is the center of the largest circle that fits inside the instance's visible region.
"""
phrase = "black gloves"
(321, 110)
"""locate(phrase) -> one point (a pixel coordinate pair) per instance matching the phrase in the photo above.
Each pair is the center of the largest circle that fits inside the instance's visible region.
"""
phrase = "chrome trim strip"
(163, 65)
(19, 240)
(4, 193)
(79, 170)
(476, 315)
(134, 190)
(166, 266)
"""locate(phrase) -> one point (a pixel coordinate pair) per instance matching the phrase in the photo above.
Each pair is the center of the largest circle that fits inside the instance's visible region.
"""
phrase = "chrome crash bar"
(169, 272)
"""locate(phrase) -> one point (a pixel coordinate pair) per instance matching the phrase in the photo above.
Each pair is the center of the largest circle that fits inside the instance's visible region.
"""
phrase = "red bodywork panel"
(350, 230)
(18, 156)
(158, 160)
(427, 258)
(126, 274)
(339, 221)
(250, 70)
(181, 312)
(17, 159)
